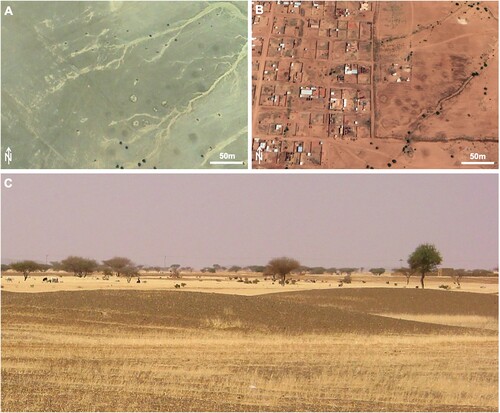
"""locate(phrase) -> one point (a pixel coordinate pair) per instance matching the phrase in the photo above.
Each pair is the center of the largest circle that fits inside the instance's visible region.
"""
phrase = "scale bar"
(226, 162)
(479, 163)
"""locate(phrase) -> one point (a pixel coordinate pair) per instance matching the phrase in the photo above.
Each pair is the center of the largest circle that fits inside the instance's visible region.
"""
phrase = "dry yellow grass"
(460, 320)
(104, 368)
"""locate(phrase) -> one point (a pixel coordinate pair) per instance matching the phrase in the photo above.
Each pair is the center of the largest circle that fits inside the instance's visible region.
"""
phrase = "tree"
(377, 271)
(424, 259)
(117, 264)
(406, 272)
(282, 267)
(234, 268)
(79, 266)
(5, 267)
(174, 271)
(317, 270)
(106, 272)
(25, 267)
(130, 271)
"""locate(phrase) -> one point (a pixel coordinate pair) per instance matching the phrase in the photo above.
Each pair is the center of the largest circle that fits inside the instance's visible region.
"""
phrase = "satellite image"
(125, 85)
(379, 84)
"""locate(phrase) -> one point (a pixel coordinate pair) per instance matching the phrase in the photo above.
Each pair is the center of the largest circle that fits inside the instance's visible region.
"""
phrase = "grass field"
(326, 350)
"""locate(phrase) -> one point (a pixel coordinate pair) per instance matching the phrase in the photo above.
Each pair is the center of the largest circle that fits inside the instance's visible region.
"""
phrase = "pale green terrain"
(111, 84)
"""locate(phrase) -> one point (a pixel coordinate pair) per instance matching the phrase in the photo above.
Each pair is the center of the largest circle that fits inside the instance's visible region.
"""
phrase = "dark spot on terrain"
(201, 87)
(193, 137)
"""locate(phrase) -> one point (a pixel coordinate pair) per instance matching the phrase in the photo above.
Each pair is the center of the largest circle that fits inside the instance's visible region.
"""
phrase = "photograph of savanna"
(249, 292)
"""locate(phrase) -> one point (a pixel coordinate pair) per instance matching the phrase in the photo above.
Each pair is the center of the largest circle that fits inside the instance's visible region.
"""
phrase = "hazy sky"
(198, 220)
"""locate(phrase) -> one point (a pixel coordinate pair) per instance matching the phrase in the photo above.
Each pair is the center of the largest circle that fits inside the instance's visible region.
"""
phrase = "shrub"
(347, 279)
(444, 286)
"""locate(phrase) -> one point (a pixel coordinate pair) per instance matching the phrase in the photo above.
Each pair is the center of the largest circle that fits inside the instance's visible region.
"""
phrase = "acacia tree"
(26, 267)
(129, 272)
(377, 271)
(424, 259)
(117, 264)
(174, 270)
(406, 272)
(79, 266)
(282, 267)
